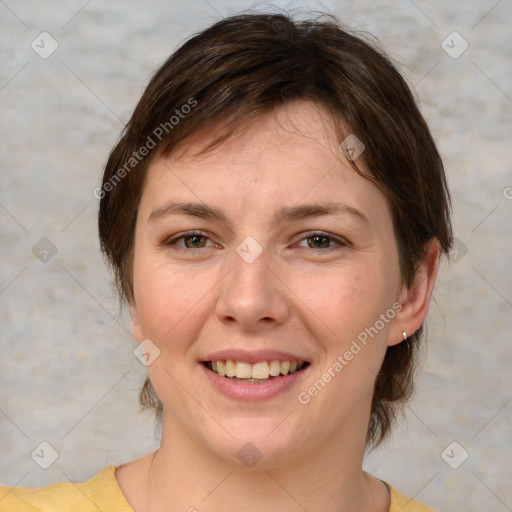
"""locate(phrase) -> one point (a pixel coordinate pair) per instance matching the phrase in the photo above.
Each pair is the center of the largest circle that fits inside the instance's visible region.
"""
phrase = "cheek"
(168, 300)
(347, 300)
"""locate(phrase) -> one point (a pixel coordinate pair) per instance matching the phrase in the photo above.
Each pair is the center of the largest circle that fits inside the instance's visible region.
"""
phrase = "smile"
(262, 371)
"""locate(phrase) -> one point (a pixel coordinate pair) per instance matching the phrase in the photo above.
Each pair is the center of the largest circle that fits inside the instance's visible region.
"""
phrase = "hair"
(249, 64)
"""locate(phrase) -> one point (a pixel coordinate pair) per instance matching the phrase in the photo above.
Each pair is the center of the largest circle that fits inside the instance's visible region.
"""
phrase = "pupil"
(317, 238)
(194, 240)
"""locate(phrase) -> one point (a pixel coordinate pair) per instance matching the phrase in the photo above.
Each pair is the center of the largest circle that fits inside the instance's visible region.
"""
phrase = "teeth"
(260, 371)
(243, 370)
(230, 368)
(275, 368)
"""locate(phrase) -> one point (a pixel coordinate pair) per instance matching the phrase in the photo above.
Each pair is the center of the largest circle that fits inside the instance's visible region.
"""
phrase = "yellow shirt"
(102, 493)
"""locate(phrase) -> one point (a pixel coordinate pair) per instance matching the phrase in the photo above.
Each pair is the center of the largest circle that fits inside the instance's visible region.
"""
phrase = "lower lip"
(256, 390)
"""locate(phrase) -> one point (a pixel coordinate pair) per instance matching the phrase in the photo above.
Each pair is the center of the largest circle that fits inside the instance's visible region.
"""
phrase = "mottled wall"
(69, 376)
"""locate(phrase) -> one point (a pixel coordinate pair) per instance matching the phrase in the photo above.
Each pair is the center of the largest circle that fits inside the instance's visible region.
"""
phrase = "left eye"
(321, 241)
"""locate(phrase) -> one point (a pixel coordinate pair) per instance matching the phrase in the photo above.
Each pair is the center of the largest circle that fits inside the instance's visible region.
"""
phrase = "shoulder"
(402, 503)
(100, 492)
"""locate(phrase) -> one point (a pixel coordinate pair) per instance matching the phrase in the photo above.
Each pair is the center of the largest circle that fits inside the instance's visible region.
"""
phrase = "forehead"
(288, 124)
(280, 157)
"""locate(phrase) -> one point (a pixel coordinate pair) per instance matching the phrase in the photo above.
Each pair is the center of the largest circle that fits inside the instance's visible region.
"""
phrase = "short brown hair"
(248, 64)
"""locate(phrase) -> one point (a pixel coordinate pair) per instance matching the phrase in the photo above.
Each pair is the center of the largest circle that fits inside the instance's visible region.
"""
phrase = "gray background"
(69, 376)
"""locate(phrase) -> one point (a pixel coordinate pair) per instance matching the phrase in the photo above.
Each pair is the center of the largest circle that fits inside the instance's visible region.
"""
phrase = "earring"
(404, 334)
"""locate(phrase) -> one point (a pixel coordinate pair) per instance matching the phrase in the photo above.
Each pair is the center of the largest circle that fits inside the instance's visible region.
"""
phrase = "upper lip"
(253, 356)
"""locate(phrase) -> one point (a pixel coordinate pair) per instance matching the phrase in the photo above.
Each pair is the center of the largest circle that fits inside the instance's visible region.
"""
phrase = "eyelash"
(312, 234)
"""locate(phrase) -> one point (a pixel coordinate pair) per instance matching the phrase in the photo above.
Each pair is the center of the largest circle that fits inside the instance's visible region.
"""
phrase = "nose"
(253, 295)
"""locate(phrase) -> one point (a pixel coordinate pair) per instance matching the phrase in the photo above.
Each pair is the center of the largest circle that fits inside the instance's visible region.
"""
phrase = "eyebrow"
(287, 213)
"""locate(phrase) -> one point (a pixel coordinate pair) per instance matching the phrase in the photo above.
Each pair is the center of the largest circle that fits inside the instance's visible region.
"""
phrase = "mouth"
(259, 372)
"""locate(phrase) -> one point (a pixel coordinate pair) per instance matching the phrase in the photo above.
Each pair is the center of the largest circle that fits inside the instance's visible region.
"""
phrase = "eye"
(190, 239)
(321, 241)
(318, 241)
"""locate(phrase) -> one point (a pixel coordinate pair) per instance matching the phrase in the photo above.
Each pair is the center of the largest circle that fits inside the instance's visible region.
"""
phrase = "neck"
(328, 477)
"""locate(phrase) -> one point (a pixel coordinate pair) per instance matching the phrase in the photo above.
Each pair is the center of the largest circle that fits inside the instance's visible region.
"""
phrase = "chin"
(259, 443)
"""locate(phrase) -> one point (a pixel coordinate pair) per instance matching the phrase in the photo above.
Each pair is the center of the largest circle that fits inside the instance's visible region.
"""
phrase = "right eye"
(190, 239)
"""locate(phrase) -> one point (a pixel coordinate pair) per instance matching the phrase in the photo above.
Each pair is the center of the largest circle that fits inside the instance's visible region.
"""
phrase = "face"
(267, 254)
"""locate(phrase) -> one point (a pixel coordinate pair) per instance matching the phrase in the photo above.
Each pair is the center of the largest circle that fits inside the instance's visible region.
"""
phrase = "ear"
(136, 330)
(415, 300)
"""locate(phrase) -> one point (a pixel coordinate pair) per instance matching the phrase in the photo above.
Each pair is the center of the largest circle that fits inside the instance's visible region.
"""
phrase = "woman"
(274, 214)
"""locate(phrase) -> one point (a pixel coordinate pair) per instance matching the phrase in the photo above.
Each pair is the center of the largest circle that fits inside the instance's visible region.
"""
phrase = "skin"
(298, 296)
